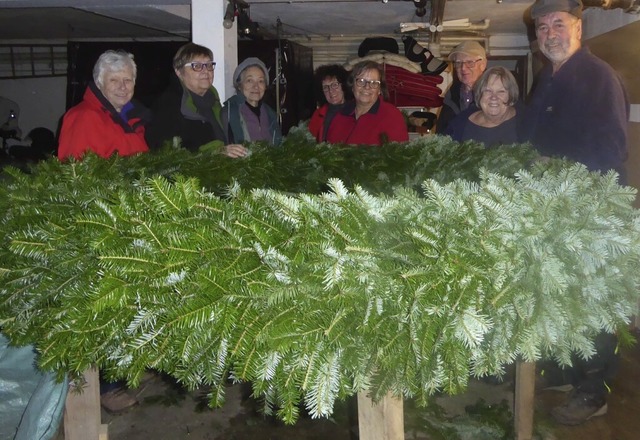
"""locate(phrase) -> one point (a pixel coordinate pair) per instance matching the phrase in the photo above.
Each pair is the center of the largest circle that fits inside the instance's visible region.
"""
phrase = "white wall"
(42, 100)
(207, 30)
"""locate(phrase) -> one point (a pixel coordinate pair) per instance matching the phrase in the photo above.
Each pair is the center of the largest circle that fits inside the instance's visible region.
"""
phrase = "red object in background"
(408, 89)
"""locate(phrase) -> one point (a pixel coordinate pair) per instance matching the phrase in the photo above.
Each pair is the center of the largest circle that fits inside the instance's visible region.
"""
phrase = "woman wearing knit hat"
(245, 116)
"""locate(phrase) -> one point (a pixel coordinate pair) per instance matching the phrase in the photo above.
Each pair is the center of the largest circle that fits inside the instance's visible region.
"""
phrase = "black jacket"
(174, 115)
(450, 107)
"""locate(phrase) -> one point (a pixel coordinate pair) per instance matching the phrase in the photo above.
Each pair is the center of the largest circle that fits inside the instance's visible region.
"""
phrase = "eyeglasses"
(197, 66)
(333, 86)
(362, 83)
(469, 64)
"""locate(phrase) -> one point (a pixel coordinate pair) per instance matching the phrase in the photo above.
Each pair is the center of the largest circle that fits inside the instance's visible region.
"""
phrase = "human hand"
(543, 159)
(235, 150)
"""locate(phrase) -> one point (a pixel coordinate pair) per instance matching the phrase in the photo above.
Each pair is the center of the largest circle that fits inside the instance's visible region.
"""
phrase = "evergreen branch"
(177, 261)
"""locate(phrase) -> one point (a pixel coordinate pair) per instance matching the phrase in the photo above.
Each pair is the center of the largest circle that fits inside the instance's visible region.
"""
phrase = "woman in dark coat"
(188, 113)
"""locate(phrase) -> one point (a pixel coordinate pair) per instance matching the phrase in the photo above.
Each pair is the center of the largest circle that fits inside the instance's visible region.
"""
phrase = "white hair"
(113, 61)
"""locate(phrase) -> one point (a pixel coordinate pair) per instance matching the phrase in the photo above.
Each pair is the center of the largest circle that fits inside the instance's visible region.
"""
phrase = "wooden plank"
(524, 399)
(381, 421)
(104, 432)
(82, 409)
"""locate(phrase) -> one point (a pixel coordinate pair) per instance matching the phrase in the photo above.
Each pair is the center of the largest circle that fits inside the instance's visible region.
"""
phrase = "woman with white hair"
(107, 121)
(246, 117)
(499, 118)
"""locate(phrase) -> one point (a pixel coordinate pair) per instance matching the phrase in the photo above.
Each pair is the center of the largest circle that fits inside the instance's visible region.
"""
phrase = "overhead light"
(229, 15)
(246, 27)
(421, 7)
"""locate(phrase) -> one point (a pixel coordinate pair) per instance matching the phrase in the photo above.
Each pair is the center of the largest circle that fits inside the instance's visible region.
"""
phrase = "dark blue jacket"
(457, 126)
(582, 113)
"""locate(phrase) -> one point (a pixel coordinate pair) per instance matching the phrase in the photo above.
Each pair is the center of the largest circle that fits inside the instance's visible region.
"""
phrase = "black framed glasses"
(362, 83)
(333, 86)
(198, 67)
(469, 64)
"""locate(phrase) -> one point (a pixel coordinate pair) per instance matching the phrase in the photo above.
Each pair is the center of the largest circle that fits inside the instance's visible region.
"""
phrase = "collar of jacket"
(349, 109)
(135, 120)
(239, 99)
(188, 107)
(577, 56)
(452, 97)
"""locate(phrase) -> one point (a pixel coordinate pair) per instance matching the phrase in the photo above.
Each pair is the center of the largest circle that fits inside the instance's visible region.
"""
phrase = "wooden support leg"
(524, 399)
(82, 410)
(384, 421)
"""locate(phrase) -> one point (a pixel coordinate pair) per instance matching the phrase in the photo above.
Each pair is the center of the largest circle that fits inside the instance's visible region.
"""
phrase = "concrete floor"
(167, 412)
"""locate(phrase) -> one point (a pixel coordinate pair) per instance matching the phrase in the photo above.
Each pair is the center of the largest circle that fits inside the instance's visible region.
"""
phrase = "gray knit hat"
(251, 61)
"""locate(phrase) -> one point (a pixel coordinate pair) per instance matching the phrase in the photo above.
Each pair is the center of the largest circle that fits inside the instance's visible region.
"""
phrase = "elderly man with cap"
(469, 61)
(245, 116)
(579, 110)
(579, 107)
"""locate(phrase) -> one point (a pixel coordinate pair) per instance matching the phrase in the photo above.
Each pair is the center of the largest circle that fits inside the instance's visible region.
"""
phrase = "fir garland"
(315, 271)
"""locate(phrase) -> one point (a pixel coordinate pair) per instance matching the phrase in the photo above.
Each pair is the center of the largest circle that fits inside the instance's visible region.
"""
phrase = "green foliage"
(315, 271)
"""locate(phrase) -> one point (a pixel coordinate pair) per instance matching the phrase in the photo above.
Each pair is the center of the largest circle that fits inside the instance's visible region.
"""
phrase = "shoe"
(579, 408)
(117, 401)
(553, 379)
(413, 50)
(432, 65)
(416, 52)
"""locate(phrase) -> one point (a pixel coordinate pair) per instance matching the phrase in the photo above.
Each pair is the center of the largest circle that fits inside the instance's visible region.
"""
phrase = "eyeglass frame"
(469, 64)
(335, 85)
(374, 84)
(202, 65)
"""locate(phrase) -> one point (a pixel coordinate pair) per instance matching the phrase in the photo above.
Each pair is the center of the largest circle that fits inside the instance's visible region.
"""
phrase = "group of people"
(483, 104)
(352, 107)
(561, 118)
(188, 114)
(578, 109)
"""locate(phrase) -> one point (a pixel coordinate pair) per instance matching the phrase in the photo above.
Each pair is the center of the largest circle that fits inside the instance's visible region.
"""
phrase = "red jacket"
(316, 123)
(382, 123)
(321, 120)
(94, 125)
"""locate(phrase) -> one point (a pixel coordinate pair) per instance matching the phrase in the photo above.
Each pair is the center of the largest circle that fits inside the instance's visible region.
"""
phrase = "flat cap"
(471, 48)
(544, 7)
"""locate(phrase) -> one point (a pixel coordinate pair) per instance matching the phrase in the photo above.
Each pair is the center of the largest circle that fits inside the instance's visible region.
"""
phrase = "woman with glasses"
(246, 117)
(368, 119)
(498, 121)
(188, 113)
(331, 94)
(107, 121)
